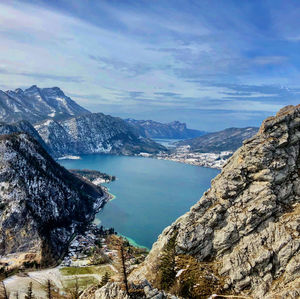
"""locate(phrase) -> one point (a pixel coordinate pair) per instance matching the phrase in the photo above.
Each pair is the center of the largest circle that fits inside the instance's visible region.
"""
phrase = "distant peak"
(33, 87)
(19, 90)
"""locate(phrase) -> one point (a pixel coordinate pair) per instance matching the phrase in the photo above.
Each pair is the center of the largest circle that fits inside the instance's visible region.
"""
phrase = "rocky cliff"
(41, 204)
(172, 130)
(36, 104)
(94, 133)
(242, 237)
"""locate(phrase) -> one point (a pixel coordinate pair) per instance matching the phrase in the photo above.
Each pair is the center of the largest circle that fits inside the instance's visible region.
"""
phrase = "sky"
(212, 64)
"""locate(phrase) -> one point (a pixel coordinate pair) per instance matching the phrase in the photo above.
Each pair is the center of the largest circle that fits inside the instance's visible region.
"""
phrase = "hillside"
(42, 204)
(227, 140)
(36, 104)
(23, 126)
(154, 129)
(94, 133)
(242, 237)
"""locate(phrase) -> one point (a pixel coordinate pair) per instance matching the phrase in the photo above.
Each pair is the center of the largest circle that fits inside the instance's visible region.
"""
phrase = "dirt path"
(39, 279)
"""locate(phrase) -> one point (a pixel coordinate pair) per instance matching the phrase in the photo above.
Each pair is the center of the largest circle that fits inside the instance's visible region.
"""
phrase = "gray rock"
(248, 222)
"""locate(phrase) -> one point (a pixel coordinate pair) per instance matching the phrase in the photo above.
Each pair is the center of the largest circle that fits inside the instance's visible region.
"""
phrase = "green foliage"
(167, 272)
(105, 279)
(198, 280)
(69, 271)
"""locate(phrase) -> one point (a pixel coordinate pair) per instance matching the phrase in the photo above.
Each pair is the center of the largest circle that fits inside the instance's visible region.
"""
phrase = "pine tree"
(105, 279)
(167, 272)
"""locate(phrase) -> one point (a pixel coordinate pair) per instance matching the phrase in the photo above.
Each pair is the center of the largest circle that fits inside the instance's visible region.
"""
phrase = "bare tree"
(123, 269)
(49, 289)
(75, 292)
(29, 294)
(4, 293)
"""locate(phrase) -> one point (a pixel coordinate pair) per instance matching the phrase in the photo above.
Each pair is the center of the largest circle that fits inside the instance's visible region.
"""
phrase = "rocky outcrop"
(226, 140)
(94, 133)
(113, 290)
(41, 204)
(245, 229)
(172, 130)
(35, 104)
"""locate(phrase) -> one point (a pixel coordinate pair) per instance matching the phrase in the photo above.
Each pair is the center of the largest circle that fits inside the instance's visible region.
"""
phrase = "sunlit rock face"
(41, 203)
(247, 224)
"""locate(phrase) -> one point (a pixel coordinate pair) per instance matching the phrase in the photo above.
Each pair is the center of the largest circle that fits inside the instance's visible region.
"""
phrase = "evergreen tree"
(167, 272)
(105, 279)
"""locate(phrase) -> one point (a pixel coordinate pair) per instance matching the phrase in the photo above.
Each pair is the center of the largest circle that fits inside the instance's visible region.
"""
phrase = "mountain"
(42, 204)
(173, 130)
(36, 104)
(23, 126)
(242, 236)
(227, 140)
(94, 133)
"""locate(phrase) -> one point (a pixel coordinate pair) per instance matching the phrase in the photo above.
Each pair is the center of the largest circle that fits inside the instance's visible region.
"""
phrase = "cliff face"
(41, 203)
(244, 231)
(94, 133)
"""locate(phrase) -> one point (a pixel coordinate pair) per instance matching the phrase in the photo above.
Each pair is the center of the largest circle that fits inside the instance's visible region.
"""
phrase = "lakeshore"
(145, 202)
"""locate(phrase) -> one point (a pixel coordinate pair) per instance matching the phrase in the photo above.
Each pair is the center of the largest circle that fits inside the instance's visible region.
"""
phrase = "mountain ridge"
(172, 130)
(229, 139)
(36, 104)
(94, 133)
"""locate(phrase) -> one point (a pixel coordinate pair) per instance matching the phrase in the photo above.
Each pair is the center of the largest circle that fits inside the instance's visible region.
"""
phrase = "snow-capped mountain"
(94, 133)
(42, 204)
(36, 104)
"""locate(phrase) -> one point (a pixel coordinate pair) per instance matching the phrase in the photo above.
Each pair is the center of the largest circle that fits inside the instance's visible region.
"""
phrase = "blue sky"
(212, 64)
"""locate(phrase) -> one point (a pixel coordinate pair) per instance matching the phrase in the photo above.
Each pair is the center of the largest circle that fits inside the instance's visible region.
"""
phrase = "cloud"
(156, 56)
(267, 60)
(167, 94)
(41, 77)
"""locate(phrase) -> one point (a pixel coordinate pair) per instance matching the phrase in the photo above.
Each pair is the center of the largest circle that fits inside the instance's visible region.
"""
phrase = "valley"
(129, 187)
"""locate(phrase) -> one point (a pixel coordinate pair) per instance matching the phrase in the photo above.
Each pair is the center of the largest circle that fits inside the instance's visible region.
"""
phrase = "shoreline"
(133, 243)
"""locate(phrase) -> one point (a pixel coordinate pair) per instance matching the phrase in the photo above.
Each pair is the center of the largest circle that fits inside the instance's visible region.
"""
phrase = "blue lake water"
(150, 194)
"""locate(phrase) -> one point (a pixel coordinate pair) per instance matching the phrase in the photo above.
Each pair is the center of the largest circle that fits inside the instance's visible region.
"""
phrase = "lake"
(149, 193)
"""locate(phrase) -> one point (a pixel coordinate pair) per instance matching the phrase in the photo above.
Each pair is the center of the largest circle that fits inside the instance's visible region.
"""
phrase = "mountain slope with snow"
(94, 133)
(36, 104)
(42, 204)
